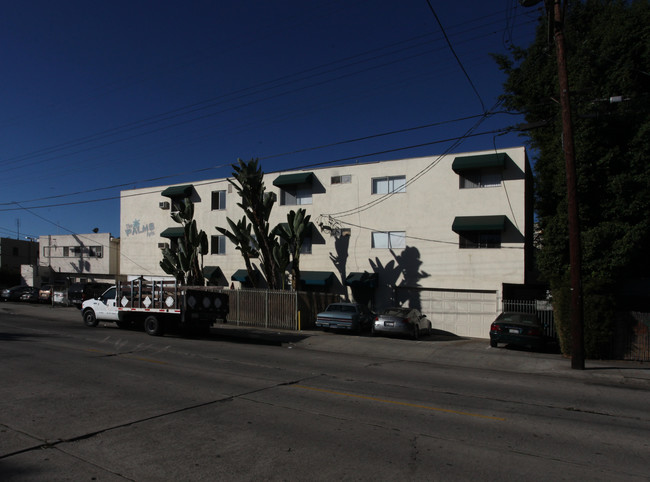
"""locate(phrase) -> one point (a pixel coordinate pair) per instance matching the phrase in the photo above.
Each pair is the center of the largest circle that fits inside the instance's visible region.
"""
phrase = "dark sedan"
(30, 295)
(14, 293)
(401, 321)
(523, 329)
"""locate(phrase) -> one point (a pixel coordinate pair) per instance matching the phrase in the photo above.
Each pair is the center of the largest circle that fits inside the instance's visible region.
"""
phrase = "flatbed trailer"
(158, 305)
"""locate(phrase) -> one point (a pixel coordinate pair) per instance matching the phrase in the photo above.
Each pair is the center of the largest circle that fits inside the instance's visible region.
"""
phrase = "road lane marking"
(404, 404)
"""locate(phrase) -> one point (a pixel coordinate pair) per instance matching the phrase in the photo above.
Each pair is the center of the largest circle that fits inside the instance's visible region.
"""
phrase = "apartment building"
(442, 233)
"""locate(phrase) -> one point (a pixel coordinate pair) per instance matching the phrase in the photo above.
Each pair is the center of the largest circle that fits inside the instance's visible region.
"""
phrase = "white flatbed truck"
(158, 305)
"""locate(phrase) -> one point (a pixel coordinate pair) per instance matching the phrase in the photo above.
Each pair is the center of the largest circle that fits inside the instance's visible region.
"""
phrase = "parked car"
(523, 329)
(45, 294)
(345, 316)
(80, 292)
(401, 321)
(14, 293)
(30, 295)
(61, 297)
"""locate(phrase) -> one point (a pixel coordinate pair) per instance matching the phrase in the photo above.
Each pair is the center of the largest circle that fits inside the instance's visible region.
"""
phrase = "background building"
(13, 254)
(442, 233)
(78, 258)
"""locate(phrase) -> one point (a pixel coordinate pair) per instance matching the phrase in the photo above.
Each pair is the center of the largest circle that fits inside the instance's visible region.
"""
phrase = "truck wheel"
(89, 318)
(153, 326)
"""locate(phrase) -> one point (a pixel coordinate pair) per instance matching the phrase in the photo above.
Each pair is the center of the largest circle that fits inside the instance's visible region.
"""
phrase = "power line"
(202, 105)
(455, 55)
(306, 166)
(80, 236)
(297, 151)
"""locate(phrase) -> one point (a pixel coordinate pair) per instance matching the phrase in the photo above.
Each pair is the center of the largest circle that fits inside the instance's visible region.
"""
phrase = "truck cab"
(103, 308)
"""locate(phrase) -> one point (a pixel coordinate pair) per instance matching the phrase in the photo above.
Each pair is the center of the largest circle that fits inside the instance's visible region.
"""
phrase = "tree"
(608, 51)
(263, 242)
(241, 236)
(257, 205)
(182, 260)
(293, 233)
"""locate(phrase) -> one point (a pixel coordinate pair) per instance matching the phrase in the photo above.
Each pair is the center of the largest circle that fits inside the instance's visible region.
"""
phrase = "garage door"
(461, 312)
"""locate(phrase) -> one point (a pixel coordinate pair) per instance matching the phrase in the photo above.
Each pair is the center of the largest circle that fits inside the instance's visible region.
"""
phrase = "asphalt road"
(101, 403)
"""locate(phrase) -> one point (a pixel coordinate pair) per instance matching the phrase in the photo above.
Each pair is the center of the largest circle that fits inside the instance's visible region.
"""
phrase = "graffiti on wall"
(136, 228)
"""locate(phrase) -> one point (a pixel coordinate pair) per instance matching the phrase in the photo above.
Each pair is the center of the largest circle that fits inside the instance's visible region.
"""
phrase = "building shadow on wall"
(407, 265)
(83, 265)
(340, 258)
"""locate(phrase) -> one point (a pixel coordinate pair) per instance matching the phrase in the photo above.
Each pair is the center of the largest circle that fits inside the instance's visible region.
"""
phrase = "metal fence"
(286, 310)
(542, 308)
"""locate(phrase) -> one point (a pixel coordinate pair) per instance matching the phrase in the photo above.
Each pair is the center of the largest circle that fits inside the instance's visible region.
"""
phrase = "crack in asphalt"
(54, 443)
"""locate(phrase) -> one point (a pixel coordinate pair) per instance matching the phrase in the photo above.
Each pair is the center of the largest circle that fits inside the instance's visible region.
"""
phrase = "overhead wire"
(81, 236)
(272, 156)
(453, 51)
(277, 155)
(298, 167)
(202, 105)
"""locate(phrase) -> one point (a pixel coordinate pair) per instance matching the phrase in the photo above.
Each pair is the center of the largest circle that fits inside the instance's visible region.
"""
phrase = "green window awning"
(478, 223)
(178, 191)
(363, 280)
(316, 278)
(240, 275)
(293, 179)
(467, 163)
(171, 233)
(211, 272)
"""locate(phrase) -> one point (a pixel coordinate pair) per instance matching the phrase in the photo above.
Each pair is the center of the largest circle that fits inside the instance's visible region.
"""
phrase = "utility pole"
(555, 10)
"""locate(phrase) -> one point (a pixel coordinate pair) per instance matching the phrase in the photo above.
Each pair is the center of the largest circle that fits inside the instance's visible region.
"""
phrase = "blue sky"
(103, 96)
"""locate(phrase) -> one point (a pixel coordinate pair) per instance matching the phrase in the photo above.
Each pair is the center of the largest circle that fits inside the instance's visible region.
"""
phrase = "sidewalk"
(445, 349)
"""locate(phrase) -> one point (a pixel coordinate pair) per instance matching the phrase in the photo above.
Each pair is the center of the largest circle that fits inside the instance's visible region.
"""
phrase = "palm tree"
(241, 236)
(293, 233)
(182, 261)
(257, 205)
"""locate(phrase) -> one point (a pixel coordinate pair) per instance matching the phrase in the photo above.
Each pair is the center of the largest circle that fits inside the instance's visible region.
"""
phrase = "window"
(66, 251)
(295, 195)
(95, 251)
(388, 239)
(15, 251)
(218, 200)
(218, 245)
(345, 179)
(387, 185)
(306, 246)
(479, 239)
(483, 177)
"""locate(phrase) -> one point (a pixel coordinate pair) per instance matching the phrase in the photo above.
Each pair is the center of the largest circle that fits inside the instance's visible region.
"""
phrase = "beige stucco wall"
(425, 212)
(51, 253)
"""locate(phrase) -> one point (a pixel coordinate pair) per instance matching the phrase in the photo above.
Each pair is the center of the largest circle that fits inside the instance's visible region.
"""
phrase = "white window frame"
(342, 179)
(299, 196)
(388, 184)
(480, 240)
(481, 177)
(220, 244)
(388, 239)
(221, 200)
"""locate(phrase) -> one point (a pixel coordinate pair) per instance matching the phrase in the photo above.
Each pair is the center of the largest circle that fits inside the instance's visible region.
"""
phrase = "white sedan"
(401, 321)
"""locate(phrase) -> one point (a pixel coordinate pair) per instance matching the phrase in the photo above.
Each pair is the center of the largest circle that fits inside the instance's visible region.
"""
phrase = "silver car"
(401, 321)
